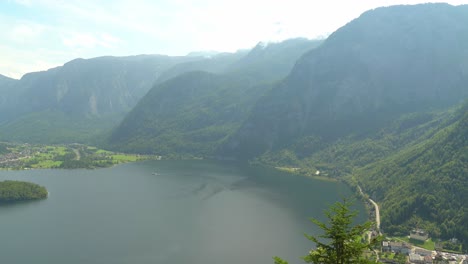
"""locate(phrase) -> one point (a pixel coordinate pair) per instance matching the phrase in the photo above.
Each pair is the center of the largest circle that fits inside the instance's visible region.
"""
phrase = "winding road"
(377, 214)
(377, 211)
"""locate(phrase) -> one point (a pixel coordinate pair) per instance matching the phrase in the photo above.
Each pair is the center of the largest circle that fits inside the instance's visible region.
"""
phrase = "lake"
(165, 212)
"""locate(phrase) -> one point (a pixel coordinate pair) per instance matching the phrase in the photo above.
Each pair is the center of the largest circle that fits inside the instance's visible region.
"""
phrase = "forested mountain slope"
(387, 62)
(193, 113)
(187, 115)
(426, 184)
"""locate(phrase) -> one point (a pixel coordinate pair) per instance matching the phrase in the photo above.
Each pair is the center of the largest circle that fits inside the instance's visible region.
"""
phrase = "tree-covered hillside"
(387, 62)
(187, 115)
(194, 112)
(424, 185)
(415, 168)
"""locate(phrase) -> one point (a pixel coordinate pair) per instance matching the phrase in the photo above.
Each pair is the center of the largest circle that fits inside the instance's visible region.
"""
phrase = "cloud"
(26, 32)
(109, 41)
(26, 3)
(90, 40)
(80, 40)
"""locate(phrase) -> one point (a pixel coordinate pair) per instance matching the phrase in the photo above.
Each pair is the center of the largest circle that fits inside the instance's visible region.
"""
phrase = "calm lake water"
(165, 212)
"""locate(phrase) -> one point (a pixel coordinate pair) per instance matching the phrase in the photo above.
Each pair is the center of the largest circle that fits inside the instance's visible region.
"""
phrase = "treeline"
(12, 191)
(86, 163)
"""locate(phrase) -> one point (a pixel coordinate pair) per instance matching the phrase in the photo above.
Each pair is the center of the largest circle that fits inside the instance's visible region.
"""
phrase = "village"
(397, 251)
(17, 153)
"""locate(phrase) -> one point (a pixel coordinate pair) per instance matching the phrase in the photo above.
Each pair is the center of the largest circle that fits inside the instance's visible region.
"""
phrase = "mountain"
(6, 84)
(93, 87)
(83, 99)
(5, 79)
(387, 62)
(7, 94)
(272, 61)
(187, 115)
(80, 99)
(425, 184)
(193, 113)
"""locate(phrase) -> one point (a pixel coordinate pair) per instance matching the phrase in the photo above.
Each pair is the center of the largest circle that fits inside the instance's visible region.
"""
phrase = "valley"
(377, 110)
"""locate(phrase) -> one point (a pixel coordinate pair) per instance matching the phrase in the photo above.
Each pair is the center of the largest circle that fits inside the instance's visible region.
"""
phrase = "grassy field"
(24, 156)
(119, 158)
(46, 164)
(428, 244)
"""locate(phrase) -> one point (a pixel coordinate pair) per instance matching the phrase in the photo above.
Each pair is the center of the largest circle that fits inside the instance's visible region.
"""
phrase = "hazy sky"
(40, 34)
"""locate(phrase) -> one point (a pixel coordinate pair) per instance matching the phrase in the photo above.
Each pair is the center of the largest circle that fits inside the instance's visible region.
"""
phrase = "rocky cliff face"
(80, 98)
(94, 87)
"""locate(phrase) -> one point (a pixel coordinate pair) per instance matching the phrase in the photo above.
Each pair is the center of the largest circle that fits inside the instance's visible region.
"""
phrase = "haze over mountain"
(192, 113)
(214, 63)
(84, 98)
(79, 99)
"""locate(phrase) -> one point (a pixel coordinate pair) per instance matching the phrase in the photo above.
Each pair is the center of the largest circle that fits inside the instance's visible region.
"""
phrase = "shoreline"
(297, 171)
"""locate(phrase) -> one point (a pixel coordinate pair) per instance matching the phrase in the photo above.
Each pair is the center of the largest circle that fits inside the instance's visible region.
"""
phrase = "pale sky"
(40, 34)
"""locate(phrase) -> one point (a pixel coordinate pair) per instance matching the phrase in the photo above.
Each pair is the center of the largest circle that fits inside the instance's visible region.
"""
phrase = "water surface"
(165, 212)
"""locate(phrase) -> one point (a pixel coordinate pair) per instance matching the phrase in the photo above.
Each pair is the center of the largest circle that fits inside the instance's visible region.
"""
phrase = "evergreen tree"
(342, 242)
